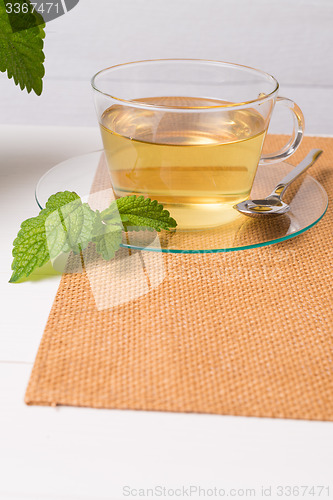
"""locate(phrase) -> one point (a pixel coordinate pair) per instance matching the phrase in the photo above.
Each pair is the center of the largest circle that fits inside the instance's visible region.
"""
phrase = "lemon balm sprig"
(67, 224)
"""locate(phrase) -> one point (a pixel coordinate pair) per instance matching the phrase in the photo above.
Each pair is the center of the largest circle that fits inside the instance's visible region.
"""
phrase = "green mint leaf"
(109, 242)
(70, 223)
(30, 247)
(66, 224)
(79, 225)
(60, 199)
(21, 44)
(140, 212)
(55, 233)
(111, 214)
(107, 234)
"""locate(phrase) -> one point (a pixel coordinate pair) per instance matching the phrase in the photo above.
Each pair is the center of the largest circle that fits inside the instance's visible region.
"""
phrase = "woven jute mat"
(240, 333)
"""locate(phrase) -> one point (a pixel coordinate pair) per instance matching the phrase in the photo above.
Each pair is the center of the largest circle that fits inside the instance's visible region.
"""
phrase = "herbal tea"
(198, 163)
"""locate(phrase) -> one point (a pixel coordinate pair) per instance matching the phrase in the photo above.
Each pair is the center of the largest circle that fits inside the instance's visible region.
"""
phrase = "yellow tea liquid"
(198, 163)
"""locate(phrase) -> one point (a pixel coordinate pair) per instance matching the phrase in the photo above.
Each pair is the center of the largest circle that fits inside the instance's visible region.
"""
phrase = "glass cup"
(188, 133)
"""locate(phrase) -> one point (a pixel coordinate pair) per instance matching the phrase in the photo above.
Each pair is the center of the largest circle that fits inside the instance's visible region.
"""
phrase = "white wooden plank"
(73, 453)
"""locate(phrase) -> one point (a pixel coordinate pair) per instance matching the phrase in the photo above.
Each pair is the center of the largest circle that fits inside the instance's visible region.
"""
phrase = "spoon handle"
(308, 161)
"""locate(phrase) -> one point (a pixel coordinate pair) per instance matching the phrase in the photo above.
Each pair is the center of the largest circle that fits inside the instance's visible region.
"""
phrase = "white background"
(74, 453)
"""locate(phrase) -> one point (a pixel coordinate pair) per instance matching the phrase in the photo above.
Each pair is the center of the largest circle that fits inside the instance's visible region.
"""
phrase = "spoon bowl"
(269, 207)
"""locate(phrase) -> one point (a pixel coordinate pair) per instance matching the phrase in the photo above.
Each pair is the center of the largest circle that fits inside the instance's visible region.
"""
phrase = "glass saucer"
(307, 198)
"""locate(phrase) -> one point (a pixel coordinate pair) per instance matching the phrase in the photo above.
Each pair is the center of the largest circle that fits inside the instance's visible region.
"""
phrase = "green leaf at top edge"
(21, 46)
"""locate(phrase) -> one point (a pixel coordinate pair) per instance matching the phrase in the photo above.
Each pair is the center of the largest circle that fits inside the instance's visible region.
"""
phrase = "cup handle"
(296, 137)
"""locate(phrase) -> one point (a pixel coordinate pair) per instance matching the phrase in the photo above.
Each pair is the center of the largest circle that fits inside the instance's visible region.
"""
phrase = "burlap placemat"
(240, 333)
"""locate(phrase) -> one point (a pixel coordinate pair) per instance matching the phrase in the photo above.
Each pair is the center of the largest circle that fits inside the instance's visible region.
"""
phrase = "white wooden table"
(74, 453)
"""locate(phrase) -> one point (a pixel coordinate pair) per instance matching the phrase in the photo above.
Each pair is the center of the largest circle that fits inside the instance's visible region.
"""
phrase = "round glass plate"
(307, 198)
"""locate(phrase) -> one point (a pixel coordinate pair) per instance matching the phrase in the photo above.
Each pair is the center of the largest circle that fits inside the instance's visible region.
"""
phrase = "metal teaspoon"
(273, 205)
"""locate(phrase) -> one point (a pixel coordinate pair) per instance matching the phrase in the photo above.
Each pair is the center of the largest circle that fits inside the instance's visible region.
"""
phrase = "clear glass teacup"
(188, 133)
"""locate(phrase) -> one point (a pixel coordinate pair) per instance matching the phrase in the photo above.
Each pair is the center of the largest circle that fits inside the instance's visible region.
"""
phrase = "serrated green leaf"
(79, 224)
(21, 46)
(56, 234)
(111, 214)
(65, 225)
(107, 234)
(109, 242)
(143, 213)
(70, 227)
(60, 199)
(30, 248)
(68, 224)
